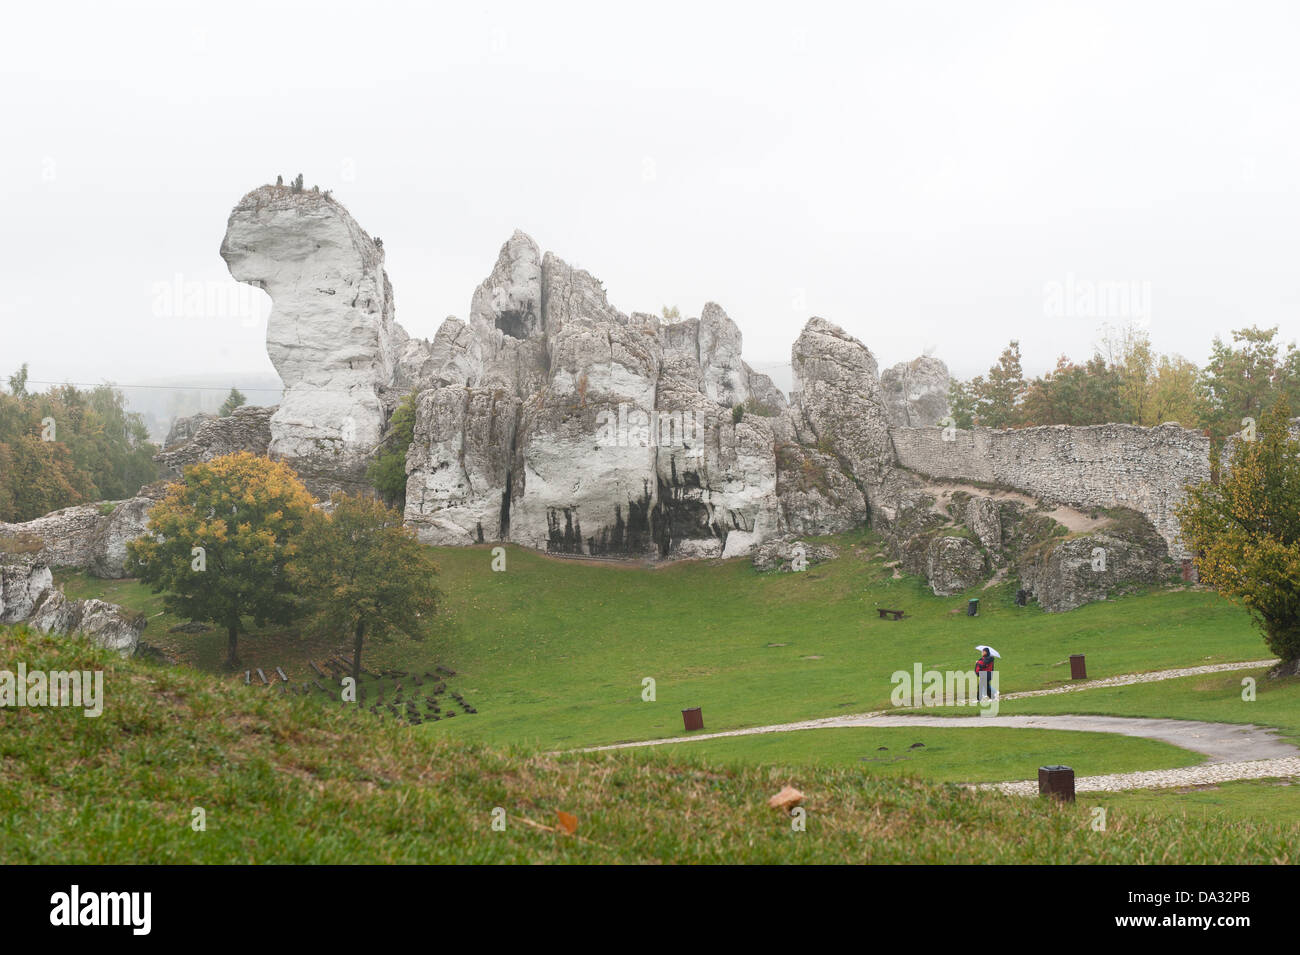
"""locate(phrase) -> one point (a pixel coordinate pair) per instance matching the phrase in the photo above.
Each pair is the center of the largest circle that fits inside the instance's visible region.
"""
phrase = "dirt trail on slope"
(1074, 519)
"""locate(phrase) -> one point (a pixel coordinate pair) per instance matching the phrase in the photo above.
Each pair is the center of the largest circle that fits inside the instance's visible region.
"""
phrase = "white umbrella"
(992, 652)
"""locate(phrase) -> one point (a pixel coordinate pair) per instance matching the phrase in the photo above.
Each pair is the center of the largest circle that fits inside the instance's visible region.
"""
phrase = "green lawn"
(958, 755)
(289, 780)
(554, 653)
(1277, 800)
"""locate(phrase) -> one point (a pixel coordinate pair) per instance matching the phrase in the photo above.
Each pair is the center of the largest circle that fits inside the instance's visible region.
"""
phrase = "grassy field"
(288, 780)
(958, 755)
(554, 653)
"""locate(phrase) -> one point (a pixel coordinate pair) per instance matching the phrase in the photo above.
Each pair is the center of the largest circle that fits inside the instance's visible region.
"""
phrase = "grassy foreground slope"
(288, 780)
(554, 653)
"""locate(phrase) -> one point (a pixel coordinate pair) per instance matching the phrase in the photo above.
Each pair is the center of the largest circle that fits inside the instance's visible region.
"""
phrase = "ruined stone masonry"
(1111, 465)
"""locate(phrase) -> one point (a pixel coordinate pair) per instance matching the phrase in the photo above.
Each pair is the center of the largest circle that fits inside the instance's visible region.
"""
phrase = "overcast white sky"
(919, 173)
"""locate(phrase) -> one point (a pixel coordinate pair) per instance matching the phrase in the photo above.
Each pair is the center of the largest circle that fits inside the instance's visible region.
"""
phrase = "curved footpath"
(1234, 750)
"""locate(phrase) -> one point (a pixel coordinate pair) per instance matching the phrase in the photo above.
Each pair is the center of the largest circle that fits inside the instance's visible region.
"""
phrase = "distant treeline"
(1126, 382)
(68, 446)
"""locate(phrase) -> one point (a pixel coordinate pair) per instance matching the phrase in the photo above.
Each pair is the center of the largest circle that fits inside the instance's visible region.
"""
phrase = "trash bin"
(973, 608)
(1057, 782)
(1077, 669)
(693, 718)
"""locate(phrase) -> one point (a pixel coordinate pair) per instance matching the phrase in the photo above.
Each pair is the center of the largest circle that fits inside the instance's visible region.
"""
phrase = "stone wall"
(1106, 465)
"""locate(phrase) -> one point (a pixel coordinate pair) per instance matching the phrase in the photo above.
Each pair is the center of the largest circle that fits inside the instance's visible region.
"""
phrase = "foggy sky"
(928, 176)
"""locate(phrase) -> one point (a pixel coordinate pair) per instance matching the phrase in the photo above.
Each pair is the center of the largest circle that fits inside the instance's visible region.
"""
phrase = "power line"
(88, 384)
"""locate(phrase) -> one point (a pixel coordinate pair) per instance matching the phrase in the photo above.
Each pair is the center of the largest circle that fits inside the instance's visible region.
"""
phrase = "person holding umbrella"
(984, 670)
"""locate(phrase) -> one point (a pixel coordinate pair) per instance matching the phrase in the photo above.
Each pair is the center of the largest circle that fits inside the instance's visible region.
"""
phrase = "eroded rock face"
(183, 429)
(841, 410)
(20, 587)
(460, 465)
(101, 624)
(984, 518)
(618, 439)
(916, 392)
(248, 428)
(330, 334)
(790, 556)
(815, 495)
(1081, 570)
(954, 564)
(89, 537)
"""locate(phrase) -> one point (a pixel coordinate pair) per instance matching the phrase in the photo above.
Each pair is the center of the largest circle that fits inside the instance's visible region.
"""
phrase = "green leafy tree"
(962, 403)
(219, 541)
(387, 472)
(1173, 393)
(68, 446)
(1242, 379)
(18, 382)
(233, 400)
(1245, 532)
(364, 574)
(1001, 393)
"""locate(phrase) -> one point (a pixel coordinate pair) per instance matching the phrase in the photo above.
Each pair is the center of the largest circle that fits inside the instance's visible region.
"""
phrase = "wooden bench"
(891, 614)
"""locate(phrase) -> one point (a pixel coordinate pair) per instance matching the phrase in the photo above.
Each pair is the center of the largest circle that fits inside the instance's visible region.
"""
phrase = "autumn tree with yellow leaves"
(219, 543)
(1245, 532)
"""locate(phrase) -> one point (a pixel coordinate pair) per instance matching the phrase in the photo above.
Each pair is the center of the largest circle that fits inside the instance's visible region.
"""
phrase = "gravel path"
(1234, 750)
(1221, 742)
(1128, 679)
(1208, 774)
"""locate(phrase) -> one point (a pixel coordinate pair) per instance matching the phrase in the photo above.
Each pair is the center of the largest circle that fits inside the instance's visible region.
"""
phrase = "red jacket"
(981, 665)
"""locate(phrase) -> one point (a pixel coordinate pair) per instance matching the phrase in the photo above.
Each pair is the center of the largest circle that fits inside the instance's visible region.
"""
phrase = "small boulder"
(786, 799)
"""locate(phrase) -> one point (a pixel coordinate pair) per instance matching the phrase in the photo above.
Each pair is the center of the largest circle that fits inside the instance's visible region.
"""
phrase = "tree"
(1245, 532)
(1128, 352)
(1173, 392)
(962, 403)
(365, 574)
(1242, 379)
(387, 472)
(233, 400)
(68, 446)
(18, 382)
(671, 313)
(219, 541)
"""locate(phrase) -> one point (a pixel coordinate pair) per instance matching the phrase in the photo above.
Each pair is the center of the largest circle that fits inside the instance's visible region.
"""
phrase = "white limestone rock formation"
(916, 392)
(816, 496)
(331, 333)
(623, 440)
(459, 465)
(954, 564)
(839, 405)
(717, 482)
(101, 624)
(582, 485)
(90, 537)
(20, 587)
